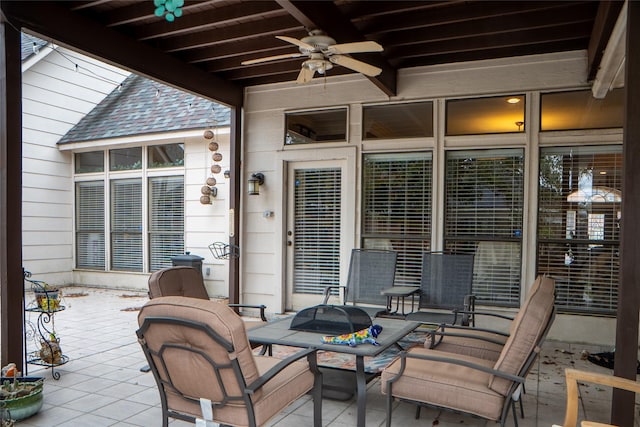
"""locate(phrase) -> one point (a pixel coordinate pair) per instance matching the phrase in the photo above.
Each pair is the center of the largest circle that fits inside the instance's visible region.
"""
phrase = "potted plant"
(50, 351)
(47, 297)
(20, 397)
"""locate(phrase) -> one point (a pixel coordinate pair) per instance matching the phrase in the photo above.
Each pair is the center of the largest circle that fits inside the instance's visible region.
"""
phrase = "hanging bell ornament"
(205, 200)
(208, 134)
(213, 146)
(217, 157)
(211, 181)
(205, 190)
(215, 168)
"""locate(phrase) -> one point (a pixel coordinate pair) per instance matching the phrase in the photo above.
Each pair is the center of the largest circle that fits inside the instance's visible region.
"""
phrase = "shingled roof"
(142, 106)
(27, 45)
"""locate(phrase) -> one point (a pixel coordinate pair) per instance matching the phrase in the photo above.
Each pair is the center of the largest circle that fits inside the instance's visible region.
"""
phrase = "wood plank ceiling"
(215, 36)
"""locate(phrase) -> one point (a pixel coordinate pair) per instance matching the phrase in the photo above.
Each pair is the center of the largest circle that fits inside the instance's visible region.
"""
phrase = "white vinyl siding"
(90, 244)
(126, 224)
(484, 197)
(166, 220)
(397, 209)
(579, 225)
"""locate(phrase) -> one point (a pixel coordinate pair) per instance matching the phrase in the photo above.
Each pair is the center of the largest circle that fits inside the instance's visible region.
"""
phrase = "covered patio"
(202, 52)
(102, 384)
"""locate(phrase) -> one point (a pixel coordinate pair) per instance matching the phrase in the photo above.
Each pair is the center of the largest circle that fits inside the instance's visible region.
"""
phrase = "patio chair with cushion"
(572, 378)
(486, 343)
(445, 285)
(370, 272)
(188, 282)
(198, 349)
(468, 384)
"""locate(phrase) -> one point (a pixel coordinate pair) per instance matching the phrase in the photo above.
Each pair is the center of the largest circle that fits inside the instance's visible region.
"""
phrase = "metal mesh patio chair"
(445, 284)
(370, 272)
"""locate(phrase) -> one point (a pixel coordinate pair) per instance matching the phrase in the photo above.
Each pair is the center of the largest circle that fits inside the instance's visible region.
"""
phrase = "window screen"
(579, 225)
(126, 224)
(166, 220)
(397, 209)
(483, 215)
(317, 229)
(90, 225)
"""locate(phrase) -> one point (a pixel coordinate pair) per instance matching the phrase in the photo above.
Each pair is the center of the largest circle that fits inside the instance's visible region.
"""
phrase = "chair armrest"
(404, 355)
(310, 353)
(485, 313)
(328, 289)
(260, 307)
(443, 334)
(467, 328)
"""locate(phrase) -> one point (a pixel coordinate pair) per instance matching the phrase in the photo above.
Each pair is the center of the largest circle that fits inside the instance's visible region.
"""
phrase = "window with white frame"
(396, 193)
(483, 215)
(90, 244)
(126, 224)
(160, 222)
(166, 220)
(579, 225)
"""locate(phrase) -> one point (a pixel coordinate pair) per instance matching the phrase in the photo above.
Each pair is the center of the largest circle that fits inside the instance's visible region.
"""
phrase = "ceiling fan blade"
(297, 42)
(355, 65)
(272, 58)
(357, 47)
(305, 76)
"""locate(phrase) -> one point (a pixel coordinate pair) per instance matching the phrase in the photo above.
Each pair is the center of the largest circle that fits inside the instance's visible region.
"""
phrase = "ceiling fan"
(323, 53)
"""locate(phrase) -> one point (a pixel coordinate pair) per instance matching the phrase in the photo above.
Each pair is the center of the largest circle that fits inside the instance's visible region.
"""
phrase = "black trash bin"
(188, 260)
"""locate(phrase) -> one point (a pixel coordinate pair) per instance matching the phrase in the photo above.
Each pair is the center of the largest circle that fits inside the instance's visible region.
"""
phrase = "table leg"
(361, 390)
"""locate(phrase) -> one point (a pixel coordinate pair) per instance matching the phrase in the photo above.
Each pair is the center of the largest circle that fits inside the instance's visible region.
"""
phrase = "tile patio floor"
(102, 385)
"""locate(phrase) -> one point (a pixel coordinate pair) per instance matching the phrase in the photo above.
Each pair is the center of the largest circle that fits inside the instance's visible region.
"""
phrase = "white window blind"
(166, 220)
(126, 224)
(483, 215)
(579, 225)
(397, 209)
(317, 229)
(90, 247)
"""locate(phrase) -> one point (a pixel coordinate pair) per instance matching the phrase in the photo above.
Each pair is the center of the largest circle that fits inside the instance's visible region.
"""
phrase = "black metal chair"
(370, 272)
(446, 284)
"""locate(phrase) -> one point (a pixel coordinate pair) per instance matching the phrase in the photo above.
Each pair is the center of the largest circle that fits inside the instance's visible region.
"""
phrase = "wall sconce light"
(254, 183)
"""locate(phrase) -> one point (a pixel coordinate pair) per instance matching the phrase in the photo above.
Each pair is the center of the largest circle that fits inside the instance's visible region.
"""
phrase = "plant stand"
(50, 354)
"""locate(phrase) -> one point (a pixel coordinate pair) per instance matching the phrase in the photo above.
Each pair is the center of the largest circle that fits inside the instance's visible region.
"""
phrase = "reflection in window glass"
(166, 155)
(316, 126)
(410, 120)
(125, 159)
(579, 225)
(483, 215)
(397, 209)
(92, 161)
(580, 110)
(503, 114)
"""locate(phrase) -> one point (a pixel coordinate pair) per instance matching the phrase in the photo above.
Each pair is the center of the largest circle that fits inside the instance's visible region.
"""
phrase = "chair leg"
(521, 408)
(513, 410)
(418, 408)
(389, 404)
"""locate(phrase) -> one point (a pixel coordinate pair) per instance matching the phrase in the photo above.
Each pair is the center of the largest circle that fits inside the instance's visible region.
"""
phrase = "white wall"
(264, 111)
(54, 98)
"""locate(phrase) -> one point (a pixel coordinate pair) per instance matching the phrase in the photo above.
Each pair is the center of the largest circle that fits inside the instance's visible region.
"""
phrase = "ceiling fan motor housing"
(318, 40)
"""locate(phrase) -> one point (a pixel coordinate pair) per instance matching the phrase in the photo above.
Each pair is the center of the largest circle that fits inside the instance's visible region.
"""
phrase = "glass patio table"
(277, 332)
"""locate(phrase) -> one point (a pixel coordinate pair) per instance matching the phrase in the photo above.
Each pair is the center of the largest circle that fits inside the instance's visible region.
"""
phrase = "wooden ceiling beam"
(250, 30)
(606, 17)
(53, 20)
(325, 15)
(510, 39)
(460, 14)
(486, 27)
(207, 19)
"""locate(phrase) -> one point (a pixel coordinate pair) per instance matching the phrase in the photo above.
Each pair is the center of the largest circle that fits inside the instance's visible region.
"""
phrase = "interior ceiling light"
(513, 100)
